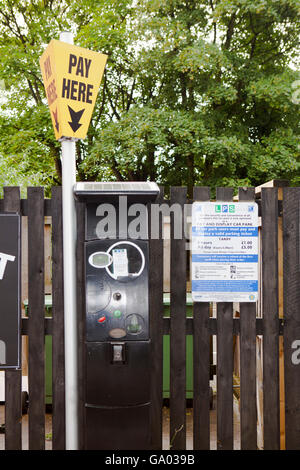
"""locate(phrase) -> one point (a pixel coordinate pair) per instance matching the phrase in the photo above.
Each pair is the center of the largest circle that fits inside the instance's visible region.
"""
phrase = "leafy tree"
(204, 96)
(194, 92)
(28, 149)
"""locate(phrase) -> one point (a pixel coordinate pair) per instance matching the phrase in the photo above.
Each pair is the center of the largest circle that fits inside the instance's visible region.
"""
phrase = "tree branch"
(230, 31)
(115, 112)
(214, 23)
(131, 95)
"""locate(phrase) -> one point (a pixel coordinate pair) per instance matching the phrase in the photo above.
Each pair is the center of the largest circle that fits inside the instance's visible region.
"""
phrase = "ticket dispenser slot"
(117, 336)
(118, 353)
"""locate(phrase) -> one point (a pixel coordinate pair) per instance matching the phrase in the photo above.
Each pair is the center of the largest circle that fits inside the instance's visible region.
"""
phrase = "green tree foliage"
(28, 151)
(194, 92)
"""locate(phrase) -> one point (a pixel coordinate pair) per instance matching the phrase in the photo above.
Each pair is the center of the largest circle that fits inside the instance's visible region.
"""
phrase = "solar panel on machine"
(128, 187)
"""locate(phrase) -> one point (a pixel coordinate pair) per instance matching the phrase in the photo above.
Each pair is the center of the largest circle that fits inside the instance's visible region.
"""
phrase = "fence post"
(178, 326)
(201, 361)
(224, 361)
(248, 361)
(58, 358)
(13, 378)
(80, 302)
(269, 212)
(291, 282)
(156, 326)
(36, 330)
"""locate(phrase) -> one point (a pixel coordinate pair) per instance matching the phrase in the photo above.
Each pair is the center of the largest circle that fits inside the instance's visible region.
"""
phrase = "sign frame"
(10, 285)
(72, 77)
(225, 251)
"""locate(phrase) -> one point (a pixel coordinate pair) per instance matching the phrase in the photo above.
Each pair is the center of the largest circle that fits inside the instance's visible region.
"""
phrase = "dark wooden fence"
(202, 326)
(36, 326)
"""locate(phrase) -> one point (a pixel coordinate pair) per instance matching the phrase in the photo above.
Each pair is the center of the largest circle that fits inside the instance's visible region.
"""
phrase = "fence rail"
(248, 326)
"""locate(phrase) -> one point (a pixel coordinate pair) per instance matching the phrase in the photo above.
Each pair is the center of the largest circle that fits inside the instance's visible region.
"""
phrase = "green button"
(117, 313)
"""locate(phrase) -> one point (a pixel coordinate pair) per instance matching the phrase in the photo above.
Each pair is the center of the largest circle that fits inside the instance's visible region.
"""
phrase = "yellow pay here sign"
(72, 77)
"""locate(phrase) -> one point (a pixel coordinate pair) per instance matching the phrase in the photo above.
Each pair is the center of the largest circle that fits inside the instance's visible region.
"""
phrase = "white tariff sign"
(224, 252)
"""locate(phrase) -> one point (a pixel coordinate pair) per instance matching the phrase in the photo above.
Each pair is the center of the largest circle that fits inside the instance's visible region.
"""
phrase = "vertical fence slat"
(36, 349)
(291, 267)
(201, 361)
(13, 378)
(80, 303)
(224, 361)
(269, 212)
(178, 323)
(58, 369)
(248, 414)
(156, 327)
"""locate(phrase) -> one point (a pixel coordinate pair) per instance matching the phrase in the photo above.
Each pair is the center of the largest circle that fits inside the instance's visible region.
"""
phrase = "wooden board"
(281, 311)
(13, 378)
(291, 266)
(224, 361)
(58, 355)
(248, 415)
(269, 212)
(177, 328)
(81, 318)
(201, 361)
(36, 362)
(156, 310)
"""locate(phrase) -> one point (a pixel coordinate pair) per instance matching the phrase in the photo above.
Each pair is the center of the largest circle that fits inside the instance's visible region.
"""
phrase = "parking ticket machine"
(117, 337)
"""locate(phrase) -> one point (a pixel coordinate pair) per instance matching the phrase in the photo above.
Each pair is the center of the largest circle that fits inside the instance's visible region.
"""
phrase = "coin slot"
(117, 333)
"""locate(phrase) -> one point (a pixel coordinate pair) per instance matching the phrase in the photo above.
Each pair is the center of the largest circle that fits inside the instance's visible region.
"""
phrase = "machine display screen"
(100, 259)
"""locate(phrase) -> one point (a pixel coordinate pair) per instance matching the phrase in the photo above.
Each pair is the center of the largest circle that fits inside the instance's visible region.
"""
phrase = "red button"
(101, 319)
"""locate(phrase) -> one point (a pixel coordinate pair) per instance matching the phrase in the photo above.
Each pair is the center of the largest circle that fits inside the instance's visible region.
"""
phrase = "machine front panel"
(122, 381)
(117, 290)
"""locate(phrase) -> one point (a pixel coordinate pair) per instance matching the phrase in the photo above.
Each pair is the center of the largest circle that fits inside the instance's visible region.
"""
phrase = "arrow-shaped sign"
(72, 77)
(75, 116)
